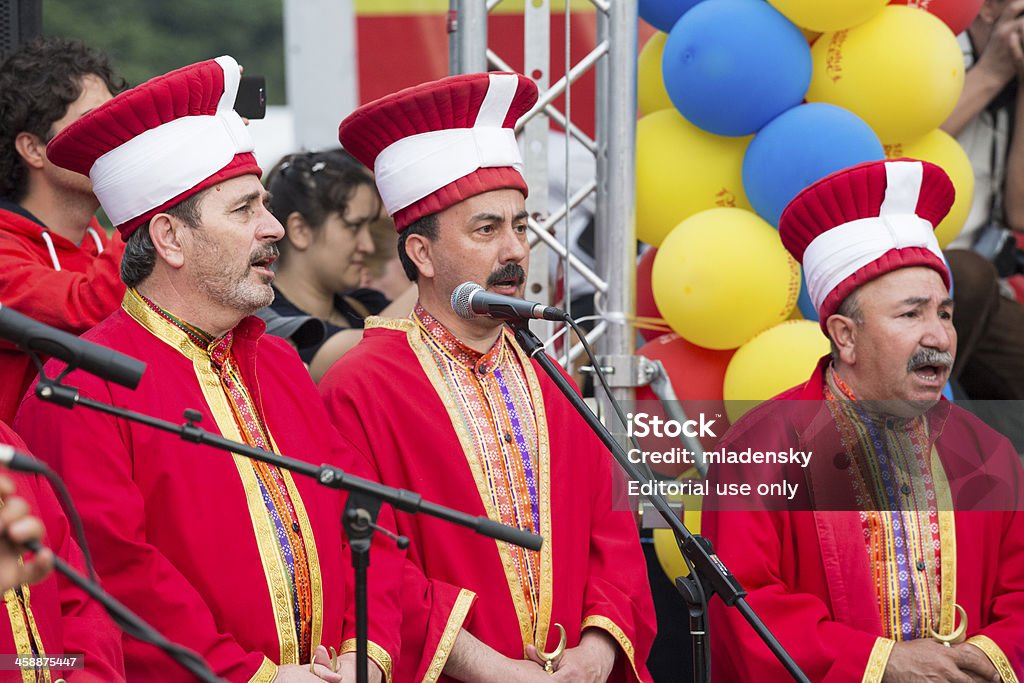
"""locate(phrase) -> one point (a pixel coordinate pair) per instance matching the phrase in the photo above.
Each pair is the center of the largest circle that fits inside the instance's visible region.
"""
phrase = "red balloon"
(697, 375)
(957, 14)
(645, 306)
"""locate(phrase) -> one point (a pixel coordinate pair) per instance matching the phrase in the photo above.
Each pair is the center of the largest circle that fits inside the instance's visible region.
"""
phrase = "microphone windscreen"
(462, 297)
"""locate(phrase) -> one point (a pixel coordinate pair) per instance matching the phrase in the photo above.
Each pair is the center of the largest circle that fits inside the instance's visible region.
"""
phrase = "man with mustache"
(235, 559)
(904, 558)
(452, 408)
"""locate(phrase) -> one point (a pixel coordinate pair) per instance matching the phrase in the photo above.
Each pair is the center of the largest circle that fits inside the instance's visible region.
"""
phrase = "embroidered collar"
(218, 348)
(471, 359)
(836, 389)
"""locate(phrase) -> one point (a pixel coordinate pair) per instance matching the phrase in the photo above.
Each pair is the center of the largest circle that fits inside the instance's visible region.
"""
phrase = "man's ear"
(843, 333)
(166, 231)
(420, 251)
(31, 149)
(298, 232)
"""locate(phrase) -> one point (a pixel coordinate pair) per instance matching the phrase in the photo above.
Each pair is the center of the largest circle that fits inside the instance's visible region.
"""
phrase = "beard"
(230, 283)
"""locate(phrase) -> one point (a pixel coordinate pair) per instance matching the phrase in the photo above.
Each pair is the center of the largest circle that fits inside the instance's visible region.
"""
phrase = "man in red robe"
(452, 408)
(52, 616)
(904, 559)
(59, 266)
(233, 558)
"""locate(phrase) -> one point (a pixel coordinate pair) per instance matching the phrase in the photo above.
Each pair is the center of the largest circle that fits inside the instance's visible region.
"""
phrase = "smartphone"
(251, 101)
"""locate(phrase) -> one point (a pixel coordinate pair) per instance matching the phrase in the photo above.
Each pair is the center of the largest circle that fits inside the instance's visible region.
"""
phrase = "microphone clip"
(52, 391)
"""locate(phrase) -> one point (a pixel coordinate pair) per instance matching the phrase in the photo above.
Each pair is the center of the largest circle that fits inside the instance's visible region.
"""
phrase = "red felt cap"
(865, 221)
(433, 145)
(159, 143)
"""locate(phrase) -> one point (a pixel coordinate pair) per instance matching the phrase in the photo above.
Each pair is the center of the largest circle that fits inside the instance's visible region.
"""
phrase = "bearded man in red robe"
(233, 558)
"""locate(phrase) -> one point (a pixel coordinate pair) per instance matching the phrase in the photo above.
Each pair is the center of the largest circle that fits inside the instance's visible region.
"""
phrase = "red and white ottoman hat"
(161, 142)
(436, 144)
(863, 222)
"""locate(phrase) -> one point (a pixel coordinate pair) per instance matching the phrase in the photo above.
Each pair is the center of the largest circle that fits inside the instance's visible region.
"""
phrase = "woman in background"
(326, 202)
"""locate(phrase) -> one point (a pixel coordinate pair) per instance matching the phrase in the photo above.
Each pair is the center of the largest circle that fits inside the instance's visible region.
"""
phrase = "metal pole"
(533, 139)
(467, 36)
(616, 191)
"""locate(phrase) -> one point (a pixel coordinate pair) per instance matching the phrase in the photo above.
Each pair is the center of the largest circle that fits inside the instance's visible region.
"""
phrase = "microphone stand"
(359, 517)
(694, 548)
(131, 623)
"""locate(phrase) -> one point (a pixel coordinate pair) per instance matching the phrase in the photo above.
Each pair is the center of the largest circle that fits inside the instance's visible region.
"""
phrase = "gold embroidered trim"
(26, 595)
(309, 542)
(398, 324)
(266, 538)
(878, 660)
(527, 630)
(375, 652)
(947, 544)
(545, 600)
(996, 656)
(266, 673)
(606, 624)
(451, 631)
(19, 629)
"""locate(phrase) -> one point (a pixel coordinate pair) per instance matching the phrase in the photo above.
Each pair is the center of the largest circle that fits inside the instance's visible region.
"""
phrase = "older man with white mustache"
(906, 560)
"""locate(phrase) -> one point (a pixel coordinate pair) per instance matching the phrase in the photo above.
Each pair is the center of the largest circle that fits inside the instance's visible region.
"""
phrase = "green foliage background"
(146, 38)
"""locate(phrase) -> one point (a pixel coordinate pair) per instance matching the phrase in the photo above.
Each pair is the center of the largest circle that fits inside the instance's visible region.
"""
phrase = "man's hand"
(299, 673)
(589, 662)
(976, 663)
(926, 661)
(472, 660)
(17, 527)
(347, 667)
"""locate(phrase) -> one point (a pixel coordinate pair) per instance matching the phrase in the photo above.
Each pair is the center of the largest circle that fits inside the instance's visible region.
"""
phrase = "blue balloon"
(663, 14)
(800, 147)
(731, 66)
(804, 303)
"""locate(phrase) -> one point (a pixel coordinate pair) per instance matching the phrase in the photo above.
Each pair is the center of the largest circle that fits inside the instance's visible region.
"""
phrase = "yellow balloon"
(902, 72)
(665, 548)
(828, 15)
(651, 95)
(722, 276)
(773, 361)
(943, 150)
(680, 170)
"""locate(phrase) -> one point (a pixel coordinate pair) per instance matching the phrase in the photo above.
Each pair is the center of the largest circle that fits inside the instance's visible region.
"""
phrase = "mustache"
(924, 357)
(512, 272)
(263, 253)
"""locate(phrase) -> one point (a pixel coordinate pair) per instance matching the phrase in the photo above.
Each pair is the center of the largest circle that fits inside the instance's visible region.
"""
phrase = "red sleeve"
(85, 625)
(617, 596)
(66, 299)
(750, 544)
(385, 581)
(87, 448)
(1006, 609)
(431, 611)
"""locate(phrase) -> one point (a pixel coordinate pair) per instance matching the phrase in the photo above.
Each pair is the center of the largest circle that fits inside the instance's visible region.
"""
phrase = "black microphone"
(470, 299)
(32, 335)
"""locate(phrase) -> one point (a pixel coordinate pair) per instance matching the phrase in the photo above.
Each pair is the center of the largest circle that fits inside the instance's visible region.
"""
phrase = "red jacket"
(807, 571)
(85, 290)
(69, 621)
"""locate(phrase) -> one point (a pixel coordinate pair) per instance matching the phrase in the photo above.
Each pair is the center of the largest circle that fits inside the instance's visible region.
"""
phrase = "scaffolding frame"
(614, 61)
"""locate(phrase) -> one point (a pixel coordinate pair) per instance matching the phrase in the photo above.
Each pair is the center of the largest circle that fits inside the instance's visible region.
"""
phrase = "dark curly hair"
(37, 84)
